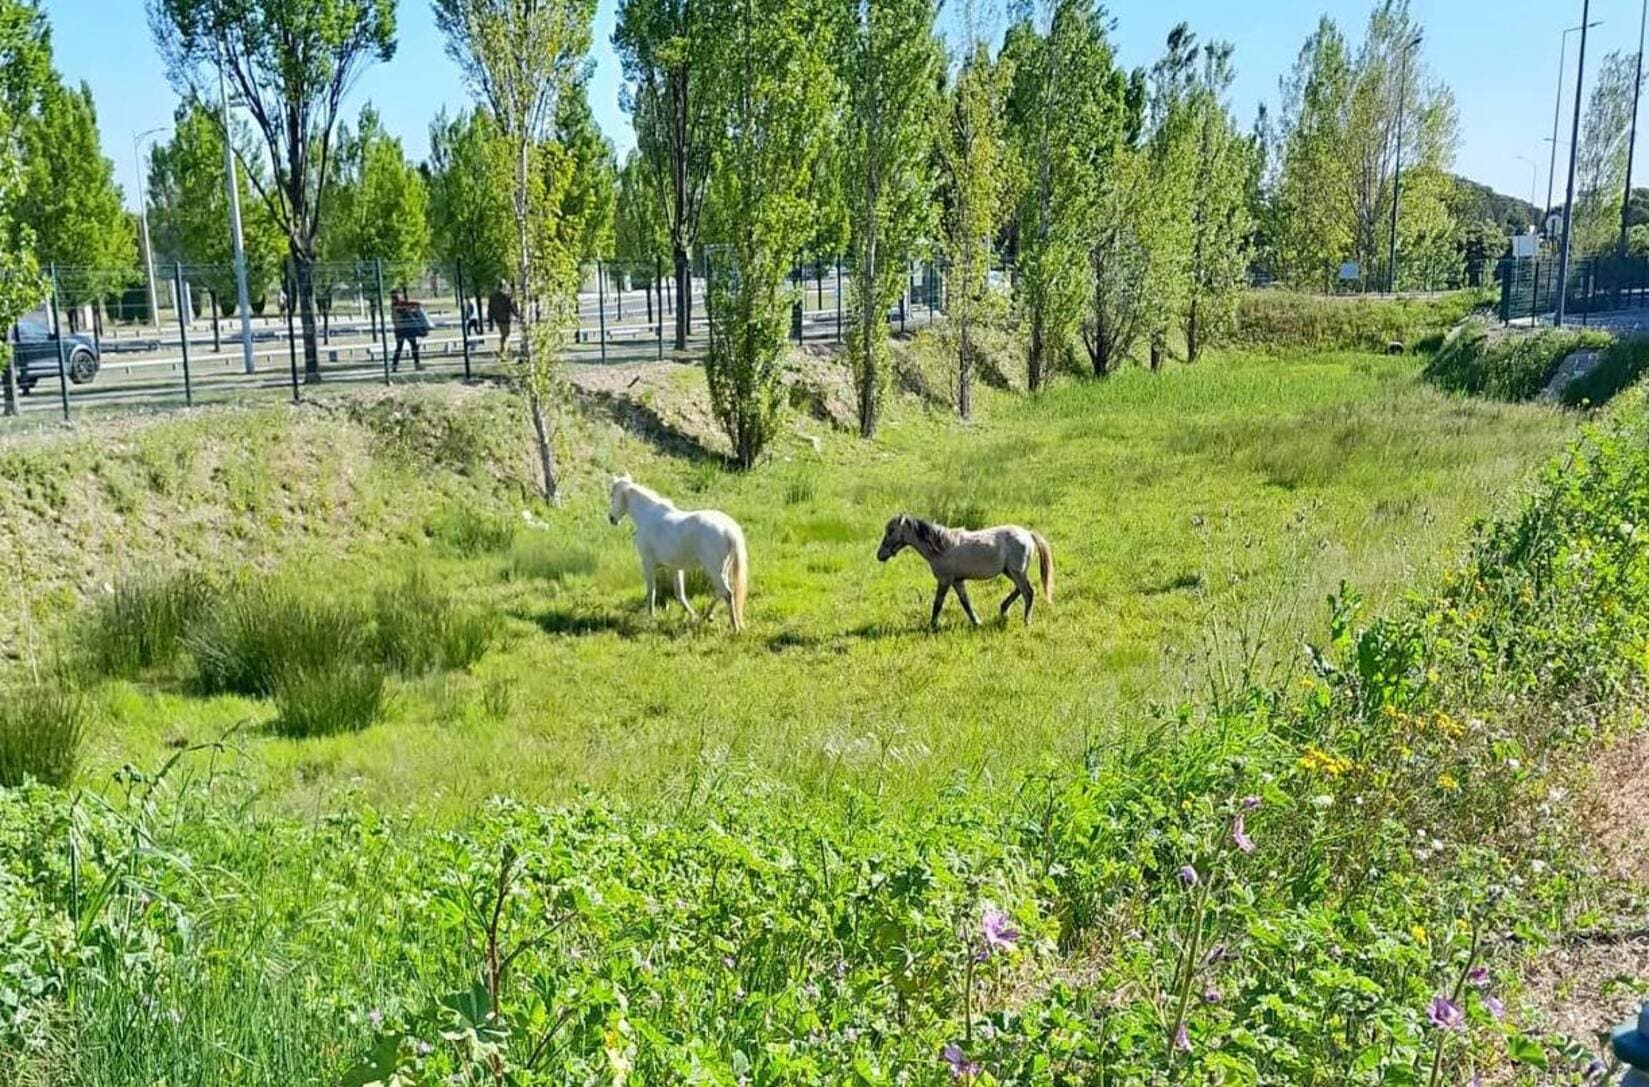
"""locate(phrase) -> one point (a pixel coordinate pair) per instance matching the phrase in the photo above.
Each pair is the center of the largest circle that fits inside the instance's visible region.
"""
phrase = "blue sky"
(1504, 82)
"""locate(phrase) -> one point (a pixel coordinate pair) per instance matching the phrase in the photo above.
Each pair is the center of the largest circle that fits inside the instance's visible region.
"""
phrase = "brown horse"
(957, 556)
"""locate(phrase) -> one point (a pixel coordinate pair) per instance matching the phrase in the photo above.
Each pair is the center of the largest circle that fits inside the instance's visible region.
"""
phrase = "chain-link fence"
(113, 338)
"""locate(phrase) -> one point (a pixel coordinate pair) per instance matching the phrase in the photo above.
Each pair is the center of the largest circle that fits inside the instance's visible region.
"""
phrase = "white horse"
(675, 540)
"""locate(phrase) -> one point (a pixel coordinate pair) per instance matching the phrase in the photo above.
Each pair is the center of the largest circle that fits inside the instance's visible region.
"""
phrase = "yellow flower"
(1419, 933)
(1447, 781)
(1315, 758)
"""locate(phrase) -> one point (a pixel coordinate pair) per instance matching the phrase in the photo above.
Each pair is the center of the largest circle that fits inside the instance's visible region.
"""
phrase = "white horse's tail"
(736, 571)
(1045, 559)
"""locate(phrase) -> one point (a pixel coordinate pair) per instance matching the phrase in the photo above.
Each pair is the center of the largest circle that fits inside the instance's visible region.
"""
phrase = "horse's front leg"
(681, 593)
(967, 605)
(938, 602)
(649, 575)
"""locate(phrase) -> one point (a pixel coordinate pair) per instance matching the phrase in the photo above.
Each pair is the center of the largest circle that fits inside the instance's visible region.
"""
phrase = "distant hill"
(1475, 202)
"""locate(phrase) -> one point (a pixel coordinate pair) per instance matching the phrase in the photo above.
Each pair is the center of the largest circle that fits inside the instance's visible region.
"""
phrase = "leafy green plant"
(1623, 363)
(1285, 320)
(466, 530)
(142, 623)
(263, 629)
(1507, 364)
(327, 698)
(418, 627)
(42, 727)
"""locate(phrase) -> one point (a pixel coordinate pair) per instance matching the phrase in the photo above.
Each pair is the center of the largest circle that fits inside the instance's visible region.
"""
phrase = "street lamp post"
(1574, 149)
(242, 300)
(1557, 112)
(143, 225)
(1397, 173)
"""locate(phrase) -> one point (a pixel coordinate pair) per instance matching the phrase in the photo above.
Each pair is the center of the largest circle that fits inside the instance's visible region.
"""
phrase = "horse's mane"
(649, 494)
(935, 537)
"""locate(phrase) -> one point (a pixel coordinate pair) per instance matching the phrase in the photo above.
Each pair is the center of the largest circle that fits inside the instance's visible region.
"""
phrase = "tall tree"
(672, 67)
(25, 67)
(767, 151)
(1116, 196)
(381, 208)
(290, 63)
(189, 209)
(971, 154)
(890, 64)
(1601, 165)
(1165, 225)
(469, 180)
(592, 184)
(1312, 195)
(70, 198)
(522, 58)
(1220, 223)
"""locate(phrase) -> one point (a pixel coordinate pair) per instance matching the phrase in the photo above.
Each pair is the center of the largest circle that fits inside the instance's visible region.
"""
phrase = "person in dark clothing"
(501, 310)
(410, 326)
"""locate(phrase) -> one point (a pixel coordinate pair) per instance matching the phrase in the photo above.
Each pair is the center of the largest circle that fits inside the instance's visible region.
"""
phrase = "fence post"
(291, 334)
(838, 297)
(1587, 282)
(601, 307)
(217, 335)
(183, 339)
(618, 297)
(904, 298)
(383, 323)
(62, 358)
(658, 310)
(797, 301)
(463, 319)
(1534, 294)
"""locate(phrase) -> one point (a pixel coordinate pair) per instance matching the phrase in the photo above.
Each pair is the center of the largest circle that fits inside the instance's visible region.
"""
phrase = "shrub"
(1275, 319)
(540, 555)
(466, 531)
(419, 628)
(263, 630)
(42, 726)
(1623, 363)
(1506, 364)
(328, 698)
(141, 625)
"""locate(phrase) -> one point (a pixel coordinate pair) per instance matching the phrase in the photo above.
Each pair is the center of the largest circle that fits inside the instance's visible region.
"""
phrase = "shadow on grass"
(579, 623)
(1181, 582)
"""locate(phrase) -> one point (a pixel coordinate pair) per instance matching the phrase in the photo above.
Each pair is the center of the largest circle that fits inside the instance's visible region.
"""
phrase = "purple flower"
(1240, 835)
(1444, 1015)
(1249, 803)
(1216, 955)
(959, 1064)
(1188, 875)
(1000, 935)
(375, 1018)
(1210, 995)
(1496, 1008)
(1594, 1071)
(1478, 976)
(1182, 1040)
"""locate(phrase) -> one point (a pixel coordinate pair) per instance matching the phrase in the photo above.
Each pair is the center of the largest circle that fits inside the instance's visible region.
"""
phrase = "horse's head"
(621, 499)
(894, 538)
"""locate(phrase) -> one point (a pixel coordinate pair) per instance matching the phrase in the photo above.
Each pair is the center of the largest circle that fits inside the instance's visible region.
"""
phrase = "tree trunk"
(305, 266)
(546, 444)
(1193, 333)
(1156, 352)
(868, 331)
(684, 297)
(1033, 375)
(10, 379)
(964, 376)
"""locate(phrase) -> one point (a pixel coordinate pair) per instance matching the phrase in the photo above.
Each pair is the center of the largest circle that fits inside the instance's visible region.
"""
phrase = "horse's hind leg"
(1002, 612)
(967, 605)
(681, 593)
(1022, 587)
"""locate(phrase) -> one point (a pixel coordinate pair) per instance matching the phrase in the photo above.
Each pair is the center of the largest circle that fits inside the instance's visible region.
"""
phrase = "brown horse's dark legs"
(967, 605)
(938, 602)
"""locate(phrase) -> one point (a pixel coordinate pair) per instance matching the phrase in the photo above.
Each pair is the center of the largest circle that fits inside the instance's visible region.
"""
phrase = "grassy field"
(1197, 518)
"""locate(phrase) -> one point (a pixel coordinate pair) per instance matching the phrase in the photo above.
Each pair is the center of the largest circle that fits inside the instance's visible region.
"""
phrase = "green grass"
(1507, 364)
(1191, 513)
(42, 727)
(265, 628)
(1280, 320)
(141, 624)
(338, 696)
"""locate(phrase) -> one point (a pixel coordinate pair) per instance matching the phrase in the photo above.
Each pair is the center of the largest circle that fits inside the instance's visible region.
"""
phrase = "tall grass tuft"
(263, 630)
(328, 698)
(42, 726)
(142, 624)
(418, 627)
(465, 531)
(542, 556)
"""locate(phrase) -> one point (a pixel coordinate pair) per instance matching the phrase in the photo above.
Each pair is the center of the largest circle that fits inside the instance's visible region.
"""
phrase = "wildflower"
(1211, 995)
(1182, 1040)
(959, 1064)
(1322, 801)
(1249, 803)
(1188, 875)
(1496, 1008)
(1478, 976)
(176, 1016)
(1000, 935)
(375, 1018)
(727, 961)
(850, 1035)
(1217, 954)
(1537, 866)
(1448, 781)
(423, 1048)
(1240, 835)
(1419, 933)
(1315, 758)
(1444, 1015)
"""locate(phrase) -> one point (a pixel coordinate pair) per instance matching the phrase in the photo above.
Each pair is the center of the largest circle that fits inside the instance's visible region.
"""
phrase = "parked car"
(34, 350)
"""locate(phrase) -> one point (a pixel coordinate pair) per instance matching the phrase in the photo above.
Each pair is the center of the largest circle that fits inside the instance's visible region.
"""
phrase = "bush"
(466, 531)
(263, 630)
(419, 628)
(142, 624)
(42, 726)
(1275, 319)
(540, 555)
(328, 698)
(1506, 364)
(1622, 364)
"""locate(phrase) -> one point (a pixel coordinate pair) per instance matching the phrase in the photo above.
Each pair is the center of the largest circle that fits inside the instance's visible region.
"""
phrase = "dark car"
(35, 350)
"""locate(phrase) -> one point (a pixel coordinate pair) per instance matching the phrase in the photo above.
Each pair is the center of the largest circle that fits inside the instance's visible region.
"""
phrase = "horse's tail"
(1045, 559)
(736, 571)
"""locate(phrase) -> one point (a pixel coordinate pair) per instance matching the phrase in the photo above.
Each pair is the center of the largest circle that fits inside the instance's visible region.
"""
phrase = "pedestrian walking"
(501, 310)
(411, 325)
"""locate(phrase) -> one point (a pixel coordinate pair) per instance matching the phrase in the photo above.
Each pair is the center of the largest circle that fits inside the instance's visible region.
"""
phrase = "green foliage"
(591, 193)
(548, 558)
(421, 628)
(1601, 161)
(265, 630)
(141, 625)
(1284, 320)
(889, 70)
(326, 698)
(25, 66)
(469, 199)
(780, 88)
(42, 728)
(1507, 364)
(640, 234)
(1623, 363)
(466, 530)
(379, 203)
